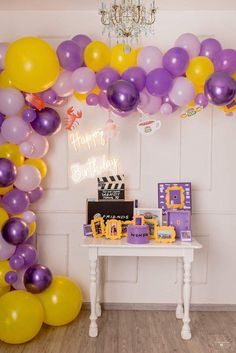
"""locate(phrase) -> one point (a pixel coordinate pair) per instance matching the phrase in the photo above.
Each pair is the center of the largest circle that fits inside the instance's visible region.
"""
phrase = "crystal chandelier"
(128, 19)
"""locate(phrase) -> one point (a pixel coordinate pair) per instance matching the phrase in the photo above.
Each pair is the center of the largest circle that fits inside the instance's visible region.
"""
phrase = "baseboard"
(166, 307)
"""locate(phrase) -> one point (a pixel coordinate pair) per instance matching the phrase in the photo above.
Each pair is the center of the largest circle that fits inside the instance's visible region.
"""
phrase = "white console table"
(184, 251)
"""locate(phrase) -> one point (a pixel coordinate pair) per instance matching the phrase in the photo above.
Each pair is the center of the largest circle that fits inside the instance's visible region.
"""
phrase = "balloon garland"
(35, 79)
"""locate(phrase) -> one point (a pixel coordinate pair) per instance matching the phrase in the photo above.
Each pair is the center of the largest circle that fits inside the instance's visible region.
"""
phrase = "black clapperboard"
(111, 187)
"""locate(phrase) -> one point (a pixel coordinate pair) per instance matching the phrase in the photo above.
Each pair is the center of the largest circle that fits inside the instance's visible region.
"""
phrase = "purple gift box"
(138, 234)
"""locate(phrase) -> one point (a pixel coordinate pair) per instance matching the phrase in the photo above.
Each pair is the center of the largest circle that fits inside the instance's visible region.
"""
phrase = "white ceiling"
(94, 4)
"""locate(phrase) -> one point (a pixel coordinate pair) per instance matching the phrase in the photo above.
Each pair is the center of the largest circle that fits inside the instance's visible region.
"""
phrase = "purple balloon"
(220, 88)
(8, 172)
(49, 96)
(190, 43)
(105, 77)
(2, 118)
(166, 109)
(82, 40)
(37, 278)
(123, 95)
(209, 47)
(149, 104)
(29, 115)
(92, 99)
(47, 123)
(35, 195)
(15, 231)
(201, 100)
(27, 253)
(31, 240)
(137, 76)
(16, 262)
(6, 249)
(166, 99)
(225, 60)
(15, 201)
(103, 101)
(176, 61)
(159, 82)
(70, 55)
(11, 277)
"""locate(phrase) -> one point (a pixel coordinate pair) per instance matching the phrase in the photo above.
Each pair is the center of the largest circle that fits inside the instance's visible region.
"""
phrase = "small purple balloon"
(70, 55)
(49, 96)
(35, 195)
(201, 100)
(29, 115)
(47, 122)
(92, 99)
(166, 99)
(15, 201)
(209, 47)
(166, 109)
(176, 61)
(37, 278)
(82, 40)
(123, 96)
(8, 172)
(159, 82)
(137, 76)
(26, 252)
(16, 262)
(11, 277)
(220, 88)
(15, 231)
(105, 77)
(225, 60)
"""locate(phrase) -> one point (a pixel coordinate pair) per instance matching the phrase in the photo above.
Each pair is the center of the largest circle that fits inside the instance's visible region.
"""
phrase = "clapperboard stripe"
(111, 187)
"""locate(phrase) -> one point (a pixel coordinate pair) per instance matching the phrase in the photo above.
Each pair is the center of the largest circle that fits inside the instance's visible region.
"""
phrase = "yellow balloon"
(4, 290)
(97, 55)
(5, 80)
(3, 191)
(96, 90)
(12, 152)
(3, 217)
(4, 268)
(39, 164)
(31, 64)
(21, 317)
(80, 96)
(199, 69)
(61, 301)
(32, 228)
(123, 57)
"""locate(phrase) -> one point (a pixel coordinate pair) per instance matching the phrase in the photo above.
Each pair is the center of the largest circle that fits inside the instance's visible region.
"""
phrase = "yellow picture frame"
(124, 225)
(152, 225)
(163, 232)
(98, 227)
(113, 229)
(170, 205)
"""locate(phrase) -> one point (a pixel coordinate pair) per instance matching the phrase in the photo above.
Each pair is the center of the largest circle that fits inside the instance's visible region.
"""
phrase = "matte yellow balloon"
(39, 164)
(3, 217)
(61, 301)
(3, 191)
(97, 55)
(21, 317)
(4, 268)
(5, 80)
(199, 69)
(12, 152)
(32, 228)
(80, 96)
(123, 57)
(31, 64)
(4, 290)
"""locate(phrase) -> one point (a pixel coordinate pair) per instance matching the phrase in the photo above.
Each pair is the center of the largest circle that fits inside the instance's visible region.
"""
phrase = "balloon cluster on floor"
(29, 293)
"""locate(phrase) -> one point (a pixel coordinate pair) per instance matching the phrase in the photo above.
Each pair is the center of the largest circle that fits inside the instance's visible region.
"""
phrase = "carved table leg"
(98, 305)
(179, 310)
(93, 329)
(186, 333)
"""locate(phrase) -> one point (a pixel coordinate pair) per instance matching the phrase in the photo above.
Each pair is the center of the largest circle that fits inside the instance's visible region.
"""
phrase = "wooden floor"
(136, 332)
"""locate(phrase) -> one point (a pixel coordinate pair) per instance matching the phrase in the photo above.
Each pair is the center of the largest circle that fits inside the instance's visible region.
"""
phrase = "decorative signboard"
(111, 187)
(120, 210)
(173, 196)
(180, 220)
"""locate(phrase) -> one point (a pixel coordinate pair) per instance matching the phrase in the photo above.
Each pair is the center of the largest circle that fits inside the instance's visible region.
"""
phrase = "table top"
(122, 243)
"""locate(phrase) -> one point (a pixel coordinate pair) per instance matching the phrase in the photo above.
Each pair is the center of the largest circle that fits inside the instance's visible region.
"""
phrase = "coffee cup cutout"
(149, 126)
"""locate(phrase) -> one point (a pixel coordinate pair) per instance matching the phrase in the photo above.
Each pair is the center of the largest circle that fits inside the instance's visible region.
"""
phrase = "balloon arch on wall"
(34, 79)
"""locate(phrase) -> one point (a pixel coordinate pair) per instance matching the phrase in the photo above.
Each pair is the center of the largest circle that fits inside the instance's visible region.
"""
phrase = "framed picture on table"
(98, 227)
(113, 229)
(124, 228)
(150, 214)
(186, 235)
(152, 226)
(165, 234)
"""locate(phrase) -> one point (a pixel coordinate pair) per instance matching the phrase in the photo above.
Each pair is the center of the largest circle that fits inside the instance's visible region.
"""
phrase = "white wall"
(200, 150)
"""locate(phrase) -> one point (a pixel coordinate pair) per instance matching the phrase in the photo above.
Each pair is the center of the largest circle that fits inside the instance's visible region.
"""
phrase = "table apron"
(145, 252)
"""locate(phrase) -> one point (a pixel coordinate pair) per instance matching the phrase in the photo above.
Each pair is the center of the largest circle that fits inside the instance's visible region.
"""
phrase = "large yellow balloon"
(21, 317)
(61, 301)
(4, 290)
(199, 69)
(3, 217)
(4, 268)
(31, 64)
(5, 80)
(12, 152)
(123, 57)
(97, 55)
(39, 164)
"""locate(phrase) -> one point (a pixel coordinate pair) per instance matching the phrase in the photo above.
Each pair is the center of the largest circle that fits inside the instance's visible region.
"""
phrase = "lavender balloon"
(190, 43)
(149, 58)
(15, 201)
(159, 82)
(103, 101)
(29, 216)
(19, 283)
(92, 99)
(166, 99)
(11, 101)
(225, 60)
(47, 123)
(105, 77)
(11, 277)
(166, 109)
(15, 130)
(49, 96)
(176, 61)
(37, 146)
(6, 249)
(82, 40)
(149, 104)
(123, 95)
(35, 195)
(70, 55)
(182, 92)
(220, 88)
(137, 76)
(83, 80)
(8, 172)
(29, 115)
(26, 252)
(15, 231)
(37, 278)
(201, 100)
(209, 47)
(63, 86)
(2, 118)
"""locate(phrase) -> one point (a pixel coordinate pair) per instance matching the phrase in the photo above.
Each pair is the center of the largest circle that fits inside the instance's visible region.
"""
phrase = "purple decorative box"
(173, 196)
(138, 234)
(180, 220)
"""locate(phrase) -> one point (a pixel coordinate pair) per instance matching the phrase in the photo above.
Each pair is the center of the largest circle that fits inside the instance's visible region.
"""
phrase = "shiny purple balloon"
(201, 100)
(70, 55)
(220, 88)
(37, 278)
(8, 172)
(2, 118)
(15, 201)
(82, 40)
(47, 122)
(136, 75)
(29, 115)
(92, 99)
(15, 231)
(209, 47)
(49, 96)
(159, 82)
(176, 61)
(27, 253)
(11, 277)
(123, 96)
(105, 77)
(35, 195)
(225, 60)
